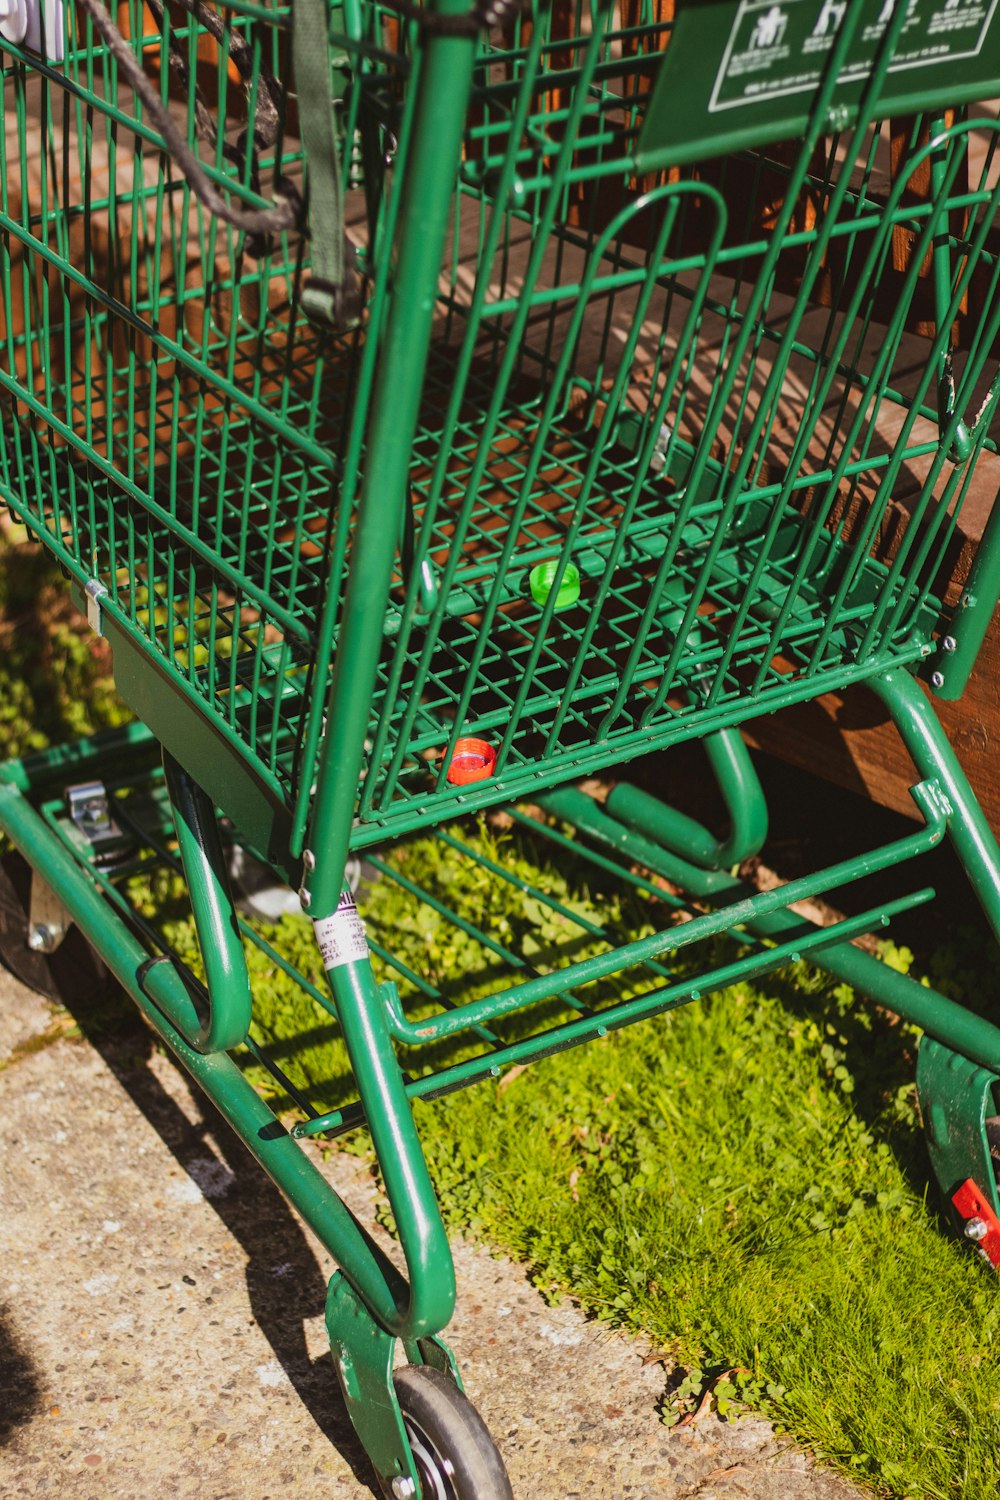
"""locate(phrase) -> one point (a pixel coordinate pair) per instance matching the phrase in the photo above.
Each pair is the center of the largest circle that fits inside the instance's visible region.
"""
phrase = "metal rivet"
(308, 859)
(949, 643)
(937, 679)
(40, 939)
(305, 897)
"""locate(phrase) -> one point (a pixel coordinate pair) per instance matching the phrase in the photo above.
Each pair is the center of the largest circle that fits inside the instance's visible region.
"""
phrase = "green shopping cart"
(432, 408)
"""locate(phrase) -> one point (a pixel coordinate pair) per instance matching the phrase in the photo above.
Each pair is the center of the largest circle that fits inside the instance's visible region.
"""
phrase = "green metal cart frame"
(432, 408)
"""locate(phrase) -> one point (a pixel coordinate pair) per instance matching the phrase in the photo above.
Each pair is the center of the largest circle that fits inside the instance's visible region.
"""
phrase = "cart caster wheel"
(72, 974)
(454, 1453)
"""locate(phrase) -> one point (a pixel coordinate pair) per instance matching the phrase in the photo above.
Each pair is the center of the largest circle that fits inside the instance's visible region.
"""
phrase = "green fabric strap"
(321, 298)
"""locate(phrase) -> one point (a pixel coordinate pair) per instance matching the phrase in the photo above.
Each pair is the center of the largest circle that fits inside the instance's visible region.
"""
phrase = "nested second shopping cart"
(433, 408)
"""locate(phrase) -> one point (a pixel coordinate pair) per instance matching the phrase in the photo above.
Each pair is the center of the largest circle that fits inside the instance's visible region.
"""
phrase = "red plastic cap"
(981, 1223)
(473, 760)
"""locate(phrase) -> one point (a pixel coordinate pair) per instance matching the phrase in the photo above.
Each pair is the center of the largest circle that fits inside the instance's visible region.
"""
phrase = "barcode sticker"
(341, 937)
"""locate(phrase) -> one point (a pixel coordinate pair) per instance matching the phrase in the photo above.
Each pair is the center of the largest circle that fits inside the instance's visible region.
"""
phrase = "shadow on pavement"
(19, 1382)
(285, 1284)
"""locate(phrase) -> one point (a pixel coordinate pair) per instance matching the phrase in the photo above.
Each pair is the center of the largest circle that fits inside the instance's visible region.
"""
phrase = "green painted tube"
(742, 794)
(78, 758)
(443, 91)
(972, 617)
(927, 743)
(361, 1011)
(228, 983)
(941, 256)
(744, 911)
(976, 1038)
(806, 940)
(156, 987)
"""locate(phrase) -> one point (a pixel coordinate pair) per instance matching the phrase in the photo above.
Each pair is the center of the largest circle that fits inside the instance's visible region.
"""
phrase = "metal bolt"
(40, 939)
(308, 865)
(403, 1487)
(937, 679)
(949, 643)
(976, 1229)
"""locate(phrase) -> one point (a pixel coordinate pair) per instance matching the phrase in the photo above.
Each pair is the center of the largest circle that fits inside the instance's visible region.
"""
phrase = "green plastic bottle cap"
(541, 579)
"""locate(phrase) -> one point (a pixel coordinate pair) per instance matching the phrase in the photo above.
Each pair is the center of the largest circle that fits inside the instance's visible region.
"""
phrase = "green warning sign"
(743, 72)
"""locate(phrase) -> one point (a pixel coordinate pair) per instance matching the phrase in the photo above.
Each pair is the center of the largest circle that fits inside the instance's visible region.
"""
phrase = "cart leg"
(229, 1001)
(970, 834)
(379, 1079)
(957, 1104)
(363, 1357)
(957, 1097)
(417, 1426)
(422, 1435)
(743, 797)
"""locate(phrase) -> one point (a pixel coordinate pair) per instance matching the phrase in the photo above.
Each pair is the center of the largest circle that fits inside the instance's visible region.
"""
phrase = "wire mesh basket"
(688, 401)
(431, 408)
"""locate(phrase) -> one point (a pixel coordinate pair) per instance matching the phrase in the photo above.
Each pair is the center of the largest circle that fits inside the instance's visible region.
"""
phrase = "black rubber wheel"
(454, 1453)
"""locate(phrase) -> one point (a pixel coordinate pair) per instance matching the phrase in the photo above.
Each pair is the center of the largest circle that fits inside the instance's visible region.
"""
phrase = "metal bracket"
(435, 1352)
(48, 919)
(982, 1226)
(96, 593)
(90, 813)
(363, 1357)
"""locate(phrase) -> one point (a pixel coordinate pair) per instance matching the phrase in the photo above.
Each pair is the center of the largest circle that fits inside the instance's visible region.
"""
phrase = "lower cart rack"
(407, 1028)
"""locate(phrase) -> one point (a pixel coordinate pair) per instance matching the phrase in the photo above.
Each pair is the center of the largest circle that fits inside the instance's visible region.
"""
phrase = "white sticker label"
(341, 937)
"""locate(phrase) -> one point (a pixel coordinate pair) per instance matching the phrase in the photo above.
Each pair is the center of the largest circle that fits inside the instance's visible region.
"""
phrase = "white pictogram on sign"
(885, 14)
(830, 17)
(770, 28)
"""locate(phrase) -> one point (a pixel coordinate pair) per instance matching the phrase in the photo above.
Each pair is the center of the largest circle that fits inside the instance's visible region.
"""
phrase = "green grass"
(744, 1182)
(55, 674)
(713, 1181)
